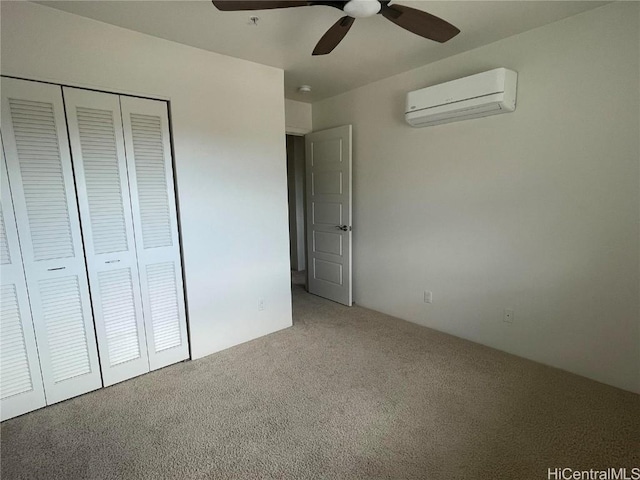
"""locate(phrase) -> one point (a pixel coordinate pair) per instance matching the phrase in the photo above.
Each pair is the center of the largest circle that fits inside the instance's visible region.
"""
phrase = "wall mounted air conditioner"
(480, 95)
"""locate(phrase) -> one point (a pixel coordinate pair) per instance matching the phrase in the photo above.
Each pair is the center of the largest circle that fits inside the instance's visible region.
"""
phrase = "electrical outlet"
(508, 315)
(428, 297)
(261, 304)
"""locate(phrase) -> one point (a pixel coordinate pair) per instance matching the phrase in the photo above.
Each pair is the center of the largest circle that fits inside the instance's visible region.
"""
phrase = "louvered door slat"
(149, 157)
(118, 308)
(108, 226)
(46, 185)
(165, 313)
(5, 254)
(41, 176)
(97, 143)
(21, 387)
(15, 373)
(155, 221)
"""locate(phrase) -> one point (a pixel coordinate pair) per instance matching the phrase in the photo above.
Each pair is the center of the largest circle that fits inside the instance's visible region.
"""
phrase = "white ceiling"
(373, 49)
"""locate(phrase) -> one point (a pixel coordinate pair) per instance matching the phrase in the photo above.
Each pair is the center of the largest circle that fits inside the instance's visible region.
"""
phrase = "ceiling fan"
(416, 21)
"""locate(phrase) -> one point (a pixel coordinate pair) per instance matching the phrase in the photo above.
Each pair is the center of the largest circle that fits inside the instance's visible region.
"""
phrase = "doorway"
(319, 171)
(297, 221)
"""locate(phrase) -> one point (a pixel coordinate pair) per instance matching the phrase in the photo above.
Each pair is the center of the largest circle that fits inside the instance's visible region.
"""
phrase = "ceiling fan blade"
(236, 5)
(419, 22)
(333, 36)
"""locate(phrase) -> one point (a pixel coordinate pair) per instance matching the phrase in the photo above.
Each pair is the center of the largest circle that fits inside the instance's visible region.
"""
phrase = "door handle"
(344, 228)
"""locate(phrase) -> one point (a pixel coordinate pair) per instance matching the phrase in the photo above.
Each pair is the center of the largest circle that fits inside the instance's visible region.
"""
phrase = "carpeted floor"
(346, 393)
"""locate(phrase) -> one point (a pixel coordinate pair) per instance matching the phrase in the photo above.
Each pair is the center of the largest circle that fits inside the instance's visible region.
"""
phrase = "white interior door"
(21, 387)
(149, 163)
(328, 172)
(97, 146)
(44, 197)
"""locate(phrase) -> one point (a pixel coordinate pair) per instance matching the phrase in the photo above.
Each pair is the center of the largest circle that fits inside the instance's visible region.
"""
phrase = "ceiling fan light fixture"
(362, 8)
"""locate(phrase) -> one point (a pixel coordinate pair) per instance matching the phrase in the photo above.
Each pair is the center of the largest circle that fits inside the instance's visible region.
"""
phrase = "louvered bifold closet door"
(41, 178)
(21, 387)
(146, 130)
(97, 147)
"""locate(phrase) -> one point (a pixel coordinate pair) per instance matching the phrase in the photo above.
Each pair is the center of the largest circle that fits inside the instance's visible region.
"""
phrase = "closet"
(92, 288)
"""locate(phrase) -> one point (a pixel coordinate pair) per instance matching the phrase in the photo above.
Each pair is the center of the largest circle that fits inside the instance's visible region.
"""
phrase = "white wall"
(229, 137)
(536, 210)
(298, 117)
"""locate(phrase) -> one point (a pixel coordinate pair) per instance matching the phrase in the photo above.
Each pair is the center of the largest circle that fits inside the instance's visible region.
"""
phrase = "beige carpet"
(344, 394)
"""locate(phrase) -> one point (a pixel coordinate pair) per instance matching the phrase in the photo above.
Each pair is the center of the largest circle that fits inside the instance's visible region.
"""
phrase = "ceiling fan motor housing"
(362, 8)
